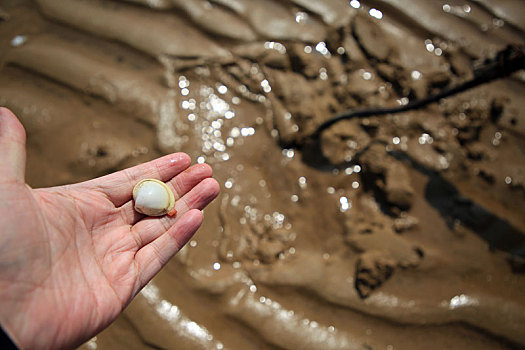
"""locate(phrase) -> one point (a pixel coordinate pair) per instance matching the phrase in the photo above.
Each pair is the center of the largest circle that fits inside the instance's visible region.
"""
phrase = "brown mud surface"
(404, 231)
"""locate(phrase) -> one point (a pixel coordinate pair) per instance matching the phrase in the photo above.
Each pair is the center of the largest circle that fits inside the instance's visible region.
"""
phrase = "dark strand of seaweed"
(506, 62)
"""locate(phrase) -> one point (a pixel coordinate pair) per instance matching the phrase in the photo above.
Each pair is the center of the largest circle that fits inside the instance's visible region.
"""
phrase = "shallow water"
(401, 232)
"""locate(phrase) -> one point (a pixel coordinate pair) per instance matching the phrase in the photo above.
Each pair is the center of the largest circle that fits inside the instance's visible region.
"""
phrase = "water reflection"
(222, 89)
(375, 13)
(210, 115)
(302, 182)
(322, 49)
(273, 45)
(461, 11)
(18, 40)
(416, 75)
(366, 75)
(425, 138)
(301, 16)
(345, 204)
(180, 323)
(92, 344)
(289, 153)
(274, 321)
(462, 300)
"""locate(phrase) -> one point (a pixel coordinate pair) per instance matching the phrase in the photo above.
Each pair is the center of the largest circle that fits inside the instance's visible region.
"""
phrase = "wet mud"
(403, 231)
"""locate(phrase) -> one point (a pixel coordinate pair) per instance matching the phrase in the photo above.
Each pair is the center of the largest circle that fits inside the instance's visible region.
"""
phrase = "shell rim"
(171, 196)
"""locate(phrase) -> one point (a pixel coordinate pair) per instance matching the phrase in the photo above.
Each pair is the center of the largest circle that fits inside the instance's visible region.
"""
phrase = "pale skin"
(72, 257)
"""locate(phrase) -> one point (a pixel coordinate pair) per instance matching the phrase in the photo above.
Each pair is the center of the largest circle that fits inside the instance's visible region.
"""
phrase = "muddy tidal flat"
(402, 231)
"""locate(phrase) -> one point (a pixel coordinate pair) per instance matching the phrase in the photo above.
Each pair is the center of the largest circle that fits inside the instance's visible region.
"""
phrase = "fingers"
(148, 229)
(189, 178)
(180, 185)
(198, 198)
(153, 256)
(118, 187)
(12, 147)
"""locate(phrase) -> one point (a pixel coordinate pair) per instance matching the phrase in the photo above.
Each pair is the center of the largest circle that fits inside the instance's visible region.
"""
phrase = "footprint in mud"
(381, 251)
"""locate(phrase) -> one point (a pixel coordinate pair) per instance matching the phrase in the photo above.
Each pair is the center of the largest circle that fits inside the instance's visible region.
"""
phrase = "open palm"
(72, 257)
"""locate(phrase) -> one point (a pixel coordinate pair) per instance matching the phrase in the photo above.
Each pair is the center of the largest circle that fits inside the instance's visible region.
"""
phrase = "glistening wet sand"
(402, 232)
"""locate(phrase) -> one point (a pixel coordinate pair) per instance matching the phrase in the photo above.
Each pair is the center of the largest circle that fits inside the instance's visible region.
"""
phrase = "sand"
(403, 231)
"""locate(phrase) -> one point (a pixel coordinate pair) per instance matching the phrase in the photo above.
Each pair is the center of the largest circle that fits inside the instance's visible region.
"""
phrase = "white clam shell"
(153, 197)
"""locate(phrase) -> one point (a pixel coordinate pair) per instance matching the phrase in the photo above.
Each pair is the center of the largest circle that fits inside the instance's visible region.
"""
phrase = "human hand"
(72, 257)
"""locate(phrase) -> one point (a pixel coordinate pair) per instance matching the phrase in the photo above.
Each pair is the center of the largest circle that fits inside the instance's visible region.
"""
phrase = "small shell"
(152, 197)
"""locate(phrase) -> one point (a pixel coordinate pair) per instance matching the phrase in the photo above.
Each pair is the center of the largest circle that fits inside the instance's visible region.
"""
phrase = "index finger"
(118, 187)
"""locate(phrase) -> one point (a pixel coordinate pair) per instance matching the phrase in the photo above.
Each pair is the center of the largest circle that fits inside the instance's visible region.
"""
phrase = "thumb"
(12, 147)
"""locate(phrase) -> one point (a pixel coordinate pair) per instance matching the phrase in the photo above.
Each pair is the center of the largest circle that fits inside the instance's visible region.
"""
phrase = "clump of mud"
(400, 231)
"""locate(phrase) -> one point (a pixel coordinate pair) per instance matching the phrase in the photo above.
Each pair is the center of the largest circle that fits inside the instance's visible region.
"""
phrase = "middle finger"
(180, 185)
